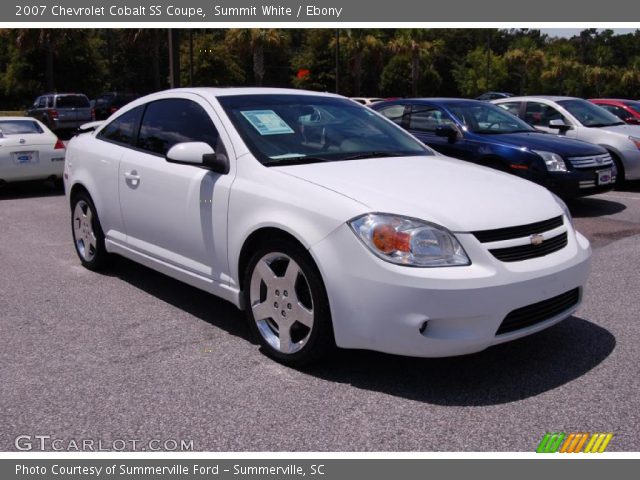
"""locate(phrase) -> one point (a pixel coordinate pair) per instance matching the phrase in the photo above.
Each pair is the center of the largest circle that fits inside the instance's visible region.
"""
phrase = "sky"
(570, 32)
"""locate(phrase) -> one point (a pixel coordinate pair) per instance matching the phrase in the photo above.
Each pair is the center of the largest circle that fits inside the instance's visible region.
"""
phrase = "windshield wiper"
(301, 160)
(375, 154)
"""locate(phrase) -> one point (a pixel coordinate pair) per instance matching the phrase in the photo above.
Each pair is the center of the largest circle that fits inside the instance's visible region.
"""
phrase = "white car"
(29, 151)
(581, 119)
(325, 221)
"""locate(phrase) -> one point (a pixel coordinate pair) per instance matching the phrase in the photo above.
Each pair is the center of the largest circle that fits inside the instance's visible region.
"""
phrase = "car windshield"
(485, 118)
(19, 127)
(72, 101)
(635, 106)
(590, 115)
(293, 129)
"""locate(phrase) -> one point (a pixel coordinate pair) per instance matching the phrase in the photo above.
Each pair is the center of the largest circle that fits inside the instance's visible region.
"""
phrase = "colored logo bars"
(573, 442)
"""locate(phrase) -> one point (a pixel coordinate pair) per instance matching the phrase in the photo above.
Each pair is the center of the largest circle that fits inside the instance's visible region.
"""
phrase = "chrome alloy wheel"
(84, 236)
(281, 302)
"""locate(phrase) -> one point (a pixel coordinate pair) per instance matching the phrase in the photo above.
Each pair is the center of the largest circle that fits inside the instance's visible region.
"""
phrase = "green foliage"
(371, 62)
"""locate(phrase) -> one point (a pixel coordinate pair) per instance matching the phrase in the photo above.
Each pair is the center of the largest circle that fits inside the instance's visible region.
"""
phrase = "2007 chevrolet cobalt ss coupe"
(325, 221)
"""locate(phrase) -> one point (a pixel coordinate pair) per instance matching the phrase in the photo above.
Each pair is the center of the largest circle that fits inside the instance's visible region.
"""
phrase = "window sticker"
(267, 122)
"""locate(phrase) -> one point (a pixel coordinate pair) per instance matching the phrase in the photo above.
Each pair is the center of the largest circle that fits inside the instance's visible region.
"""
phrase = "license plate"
(604, 177)
(25, 157)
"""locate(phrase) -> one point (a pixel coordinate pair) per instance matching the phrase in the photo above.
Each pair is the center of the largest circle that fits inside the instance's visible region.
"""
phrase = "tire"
(88, 238)
(286, 301)
(620, 168)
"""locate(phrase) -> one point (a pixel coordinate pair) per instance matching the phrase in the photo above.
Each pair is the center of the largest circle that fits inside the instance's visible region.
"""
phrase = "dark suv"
(62, 111)
(111, 102)
(482, 133)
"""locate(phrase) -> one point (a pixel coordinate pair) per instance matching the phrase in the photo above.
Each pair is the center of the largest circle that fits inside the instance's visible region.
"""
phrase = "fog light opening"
(423, 327)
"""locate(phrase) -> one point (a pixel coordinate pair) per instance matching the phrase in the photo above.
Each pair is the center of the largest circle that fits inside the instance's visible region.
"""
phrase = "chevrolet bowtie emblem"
(536, 239)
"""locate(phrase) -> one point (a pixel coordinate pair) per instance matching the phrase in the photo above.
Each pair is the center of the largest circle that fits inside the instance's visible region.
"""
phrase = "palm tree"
(357, 43)
(47, 38)
(409, 42)
(524, 58)
(255, 40)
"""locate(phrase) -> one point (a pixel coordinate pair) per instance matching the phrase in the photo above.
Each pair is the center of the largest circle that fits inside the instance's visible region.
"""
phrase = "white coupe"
(326, 222)
(29, 150)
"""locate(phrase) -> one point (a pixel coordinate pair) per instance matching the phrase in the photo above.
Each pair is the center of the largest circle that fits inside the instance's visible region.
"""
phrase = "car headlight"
(564, 208)
(552, 161)
(636, 142)
(408, 241)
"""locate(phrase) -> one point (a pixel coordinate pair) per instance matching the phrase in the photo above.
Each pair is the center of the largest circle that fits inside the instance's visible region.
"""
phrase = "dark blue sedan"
(482, 133)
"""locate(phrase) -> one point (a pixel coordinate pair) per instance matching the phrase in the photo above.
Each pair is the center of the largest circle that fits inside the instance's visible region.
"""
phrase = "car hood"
(626, 130)
(457, 195)
(566, 147)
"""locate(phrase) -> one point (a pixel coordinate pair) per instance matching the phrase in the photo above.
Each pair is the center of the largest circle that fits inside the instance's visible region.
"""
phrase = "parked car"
(327, 223)
(578, 118)
(62, 111)
(626, 110)
(482, 133)
(109, 103)
(29, 151)
(367, 100)
(493, 95)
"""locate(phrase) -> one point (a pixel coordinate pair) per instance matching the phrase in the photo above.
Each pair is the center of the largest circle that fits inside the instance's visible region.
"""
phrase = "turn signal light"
(387, 239)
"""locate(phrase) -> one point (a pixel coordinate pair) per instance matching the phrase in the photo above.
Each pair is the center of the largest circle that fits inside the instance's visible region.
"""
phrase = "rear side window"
(172, 121)
(122, 130)
(619, 112)
(426, 119)
(394, 113)
(540, 114)
(41, 102)
(72, 101)
(18, 127)
(511, 107)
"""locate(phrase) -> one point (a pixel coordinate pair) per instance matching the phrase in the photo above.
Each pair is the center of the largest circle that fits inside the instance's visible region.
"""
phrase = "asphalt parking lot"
(132, 354)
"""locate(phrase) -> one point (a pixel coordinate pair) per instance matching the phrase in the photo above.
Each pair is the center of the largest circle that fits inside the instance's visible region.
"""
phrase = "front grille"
(508, 233)
(539, 312)
(591, 161)
(525, 252)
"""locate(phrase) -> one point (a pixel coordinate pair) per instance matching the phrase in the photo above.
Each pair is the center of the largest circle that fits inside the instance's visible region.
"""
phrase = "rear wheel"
(88, 237)
(287, 304)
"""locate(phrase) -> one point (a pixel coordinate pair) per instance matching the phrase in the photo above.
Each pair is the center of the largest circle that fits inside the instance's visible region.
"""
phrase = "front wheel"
(287, 304)
(87, 233)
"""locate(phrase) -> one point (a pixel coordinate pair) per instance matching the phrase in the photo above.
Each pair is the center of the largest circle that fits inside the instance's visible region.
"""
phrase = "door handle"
(132, 178)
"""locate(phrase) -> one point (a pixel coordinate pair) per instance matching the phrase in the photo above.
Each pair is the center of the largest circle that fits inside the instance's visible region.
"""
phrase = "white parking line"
(620, 196)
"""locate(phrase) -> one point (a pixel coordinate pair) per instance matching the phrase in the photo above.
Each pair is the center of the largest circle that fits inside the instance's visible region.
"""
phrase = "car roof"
(553, 98)
(438, 100)
(230, 91)
(18, 118)
(616, 100)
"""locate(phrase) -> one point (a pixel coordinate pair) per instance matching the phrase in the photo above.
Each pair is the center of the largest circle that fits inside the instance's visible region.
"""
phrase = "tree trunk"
(49, 73)
(258, 64)
(357, 73)
(415, 72)
(155, 61)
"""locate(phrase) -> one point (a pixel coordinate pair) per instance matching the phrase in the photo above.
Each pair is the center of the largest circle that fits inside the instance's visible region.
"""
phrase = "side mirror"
(559, 124)
(198, 153)
(447, 131)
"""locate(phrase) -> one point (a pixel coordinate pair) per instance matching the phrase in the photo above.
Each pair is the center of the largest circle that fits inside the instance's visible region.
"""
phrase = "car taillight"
(113, 109)
(93, 114)
(59, 145)
(53, 114)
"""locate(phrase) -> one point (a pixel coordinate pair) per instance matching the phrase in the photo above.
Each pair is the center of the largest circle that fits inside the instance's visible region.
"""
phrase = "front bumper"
(376, 305)
(577, 183)
(631, 162)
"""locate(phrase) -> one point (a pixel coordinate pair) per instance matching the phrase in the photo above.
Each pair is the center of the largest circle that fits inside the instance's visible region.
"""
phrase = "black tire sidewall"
(321, 341)
(100, 258)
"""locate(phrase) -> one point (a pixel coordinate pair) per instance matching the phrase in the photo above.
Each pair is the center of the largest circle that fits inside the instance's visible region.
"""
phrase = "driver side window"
(426, 119)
